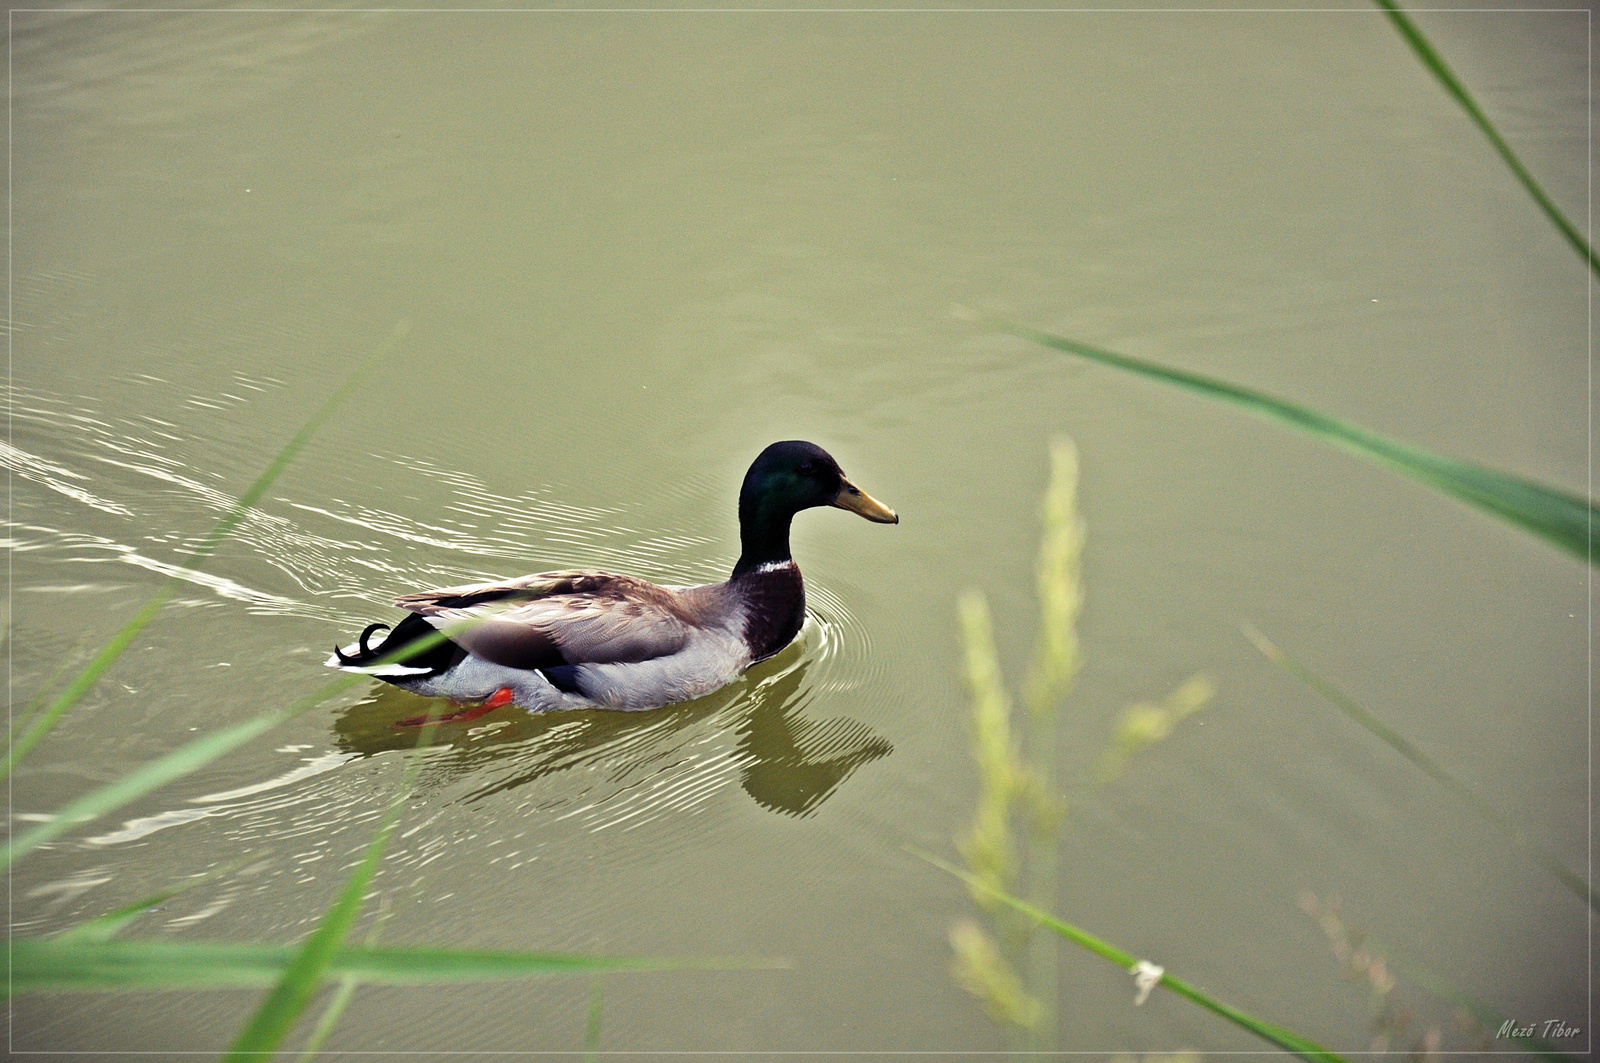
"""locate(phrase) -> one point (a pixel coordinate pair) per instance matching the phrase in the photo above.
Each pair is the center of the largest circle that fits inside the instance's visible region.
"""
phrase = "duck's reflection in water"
(789, 762)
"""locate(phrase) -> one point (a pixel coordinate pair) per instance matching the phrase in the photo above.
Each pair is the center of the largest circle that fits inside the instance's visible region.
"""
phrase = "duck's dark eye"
(807, 468)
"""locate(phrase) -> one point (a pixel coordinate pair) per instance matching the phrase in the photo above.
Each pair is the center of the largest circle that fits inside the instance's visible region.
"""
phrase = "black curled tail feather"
(364, 653)
(437, 659)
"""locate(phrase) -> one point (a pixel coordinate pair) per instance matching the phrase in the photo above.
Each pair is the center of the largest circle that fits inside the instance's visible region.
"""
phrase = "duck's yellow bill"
(856, 500)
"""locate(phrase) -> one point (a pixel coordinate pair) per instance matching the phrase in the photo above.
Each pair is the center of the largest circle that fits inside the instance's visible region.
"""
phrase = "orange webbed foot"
(493, 701)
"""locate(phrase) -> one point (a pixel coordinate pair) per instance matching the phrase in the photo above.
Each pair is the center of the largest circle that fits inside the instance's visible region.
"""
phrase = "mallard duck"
(569, 640)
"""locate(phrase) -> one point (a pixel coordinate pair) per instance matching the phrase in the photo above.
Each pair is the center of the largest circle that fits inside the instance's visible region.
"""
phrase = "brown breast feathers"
(775, 607)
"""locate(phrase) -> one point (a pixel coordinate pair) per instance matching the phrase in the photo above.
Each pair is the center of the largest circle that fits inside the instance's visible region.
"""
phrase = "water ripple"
(676, 772)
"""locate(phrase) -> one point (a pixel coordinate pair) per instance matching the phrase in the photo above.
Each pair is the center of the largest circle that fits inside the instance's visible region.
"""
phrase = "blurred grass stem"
(345, 992)
(1429, 767)
(1055, 667)
(188, 758)
(283, 1006)
(591, 1026)
(86, 679)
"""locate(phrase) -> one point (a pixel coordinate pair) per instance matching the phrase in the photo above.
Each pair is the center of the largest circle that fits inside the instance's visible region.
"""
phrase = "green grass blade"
(141, 781)
(107, 926)
(1561, 518)
(281, 1010)
(342, 996)
(1277, 1035)
(22, 720)
(330, 1017)
(191, 757)
(1400, 744)
(591, 1026)
(51, 965)
(1458, 92)
(86, 679)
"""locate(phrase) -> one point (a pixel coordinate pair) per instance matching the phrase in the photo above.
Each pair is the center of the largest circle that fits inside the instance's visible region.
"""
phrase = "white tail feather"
(372, 669)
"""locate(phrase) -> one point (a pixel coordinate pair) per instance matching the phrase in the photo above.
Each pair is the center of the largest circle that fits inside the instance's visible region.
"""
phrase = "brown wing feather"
(523, 588)
(557, 618)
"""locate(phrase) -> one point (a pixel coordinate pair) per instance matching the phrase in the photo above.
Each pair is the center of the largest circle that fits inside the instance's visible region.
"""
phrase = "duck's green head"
(784, 479)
